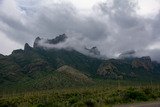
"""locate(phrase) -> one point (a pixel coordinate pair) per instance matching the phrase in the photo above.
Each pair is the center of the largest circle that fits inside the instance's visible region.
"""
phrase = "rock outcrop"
(36, 42)
(58, 39)
(144, 62)
(93, 51)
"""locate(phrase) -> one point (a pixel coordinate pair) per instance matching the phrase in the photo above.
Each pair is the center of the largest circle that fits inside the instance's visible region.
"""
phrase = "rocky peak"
(58, 39)
(93, 50)
(36, 42)
(27, 47)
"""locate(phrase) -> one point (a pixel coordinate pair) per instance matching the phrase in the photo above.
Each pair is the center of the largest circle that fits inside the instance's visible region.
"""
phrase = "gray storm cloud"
(113, 27)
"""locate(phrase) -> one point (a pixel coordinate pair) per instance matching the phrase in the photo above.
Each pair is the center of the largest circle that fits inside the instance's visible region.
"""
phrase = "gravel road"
(151, 104)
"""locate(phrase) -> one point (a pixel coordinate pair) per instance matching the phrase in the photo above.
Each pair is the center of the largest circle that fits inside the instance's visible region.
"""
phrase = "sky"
(114, 26)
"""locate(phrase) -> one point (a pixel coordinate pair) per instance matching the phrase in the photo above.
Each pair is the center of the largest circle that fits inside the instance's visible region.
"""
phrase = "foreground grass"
(82, 97)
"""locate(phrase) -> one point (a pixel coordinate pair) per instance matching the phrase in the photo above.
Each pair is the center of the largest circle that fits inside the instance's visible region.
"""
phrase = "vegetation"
(82, 97)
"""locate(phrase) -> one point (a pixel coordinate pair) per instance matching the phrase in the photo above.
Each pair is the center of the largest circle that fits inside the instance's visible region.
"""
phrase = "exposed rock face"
(36, 42)
(17, 51)
(128, 68)
(27, 47)
(58, 39)
(144, 62)
(93, 50)
(107, 70)
(37, 65)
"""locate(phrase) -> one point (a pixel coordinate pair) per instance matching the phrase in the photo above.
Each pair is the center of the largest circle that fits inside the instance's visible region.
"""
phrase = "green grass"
(93, 96)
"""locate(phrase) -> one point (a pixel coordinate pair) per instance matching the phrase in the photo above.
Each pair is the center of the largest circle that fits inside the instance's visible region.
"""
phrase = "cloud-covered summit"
(114, 26)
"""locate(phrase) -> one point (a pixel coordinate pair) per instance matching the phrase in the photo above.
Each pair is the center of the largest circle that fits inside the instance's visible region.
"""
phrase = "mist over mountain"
(49, 64)
(128, 54)
(40, 42)
(64, 42)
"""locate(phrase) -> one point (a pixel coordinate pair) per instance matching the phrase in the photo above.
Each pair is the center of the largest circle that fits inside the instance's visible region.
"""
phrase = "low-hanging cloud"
(113, 27)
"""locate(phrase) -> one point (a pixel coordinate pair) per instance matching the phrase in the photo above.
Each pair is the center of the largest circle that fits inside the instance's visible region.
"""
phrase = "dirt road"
(151, 104)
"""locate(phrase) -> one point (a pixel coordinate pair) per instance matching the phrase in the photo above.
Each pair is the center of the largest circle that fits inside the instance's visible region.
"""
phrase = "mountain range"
(41, 68)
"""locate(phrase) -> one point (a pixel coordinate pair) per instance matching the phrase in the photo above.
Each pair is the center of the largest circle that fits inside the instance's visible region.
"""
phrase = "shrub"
(90, 103)
(132, 94)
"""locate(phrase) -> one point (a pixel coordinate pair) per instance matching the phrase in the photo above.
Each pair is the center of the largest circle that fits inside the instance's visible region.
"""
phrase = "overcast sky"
(114, 26)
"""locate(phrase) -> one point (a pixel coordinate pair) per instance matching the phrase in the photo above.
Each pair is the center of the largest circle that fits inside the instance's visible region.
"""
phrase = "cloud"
(6, 46)
(130, 30)
(46, 20)
(114, 27)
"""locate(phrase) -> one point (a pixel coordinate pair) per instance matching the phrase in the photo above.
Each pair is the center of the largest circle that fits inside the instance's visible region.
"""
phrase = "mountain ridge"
(37, 64)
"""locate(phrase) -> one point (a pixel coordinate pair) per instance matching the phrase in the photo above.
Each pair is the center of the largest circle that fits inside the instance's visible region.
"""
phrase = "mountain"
(39, 68)
(140, 68)
(34, 65)
(58, 39)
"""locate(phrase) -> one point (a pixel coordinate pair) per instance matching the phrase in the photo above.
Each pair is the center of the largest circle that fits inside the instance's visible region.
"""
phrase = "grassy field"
(90, 96)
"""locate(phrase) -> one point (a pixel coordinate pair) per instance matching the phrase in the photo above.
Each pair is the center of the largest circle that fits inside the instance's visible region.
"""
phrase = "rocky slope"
(141, 68)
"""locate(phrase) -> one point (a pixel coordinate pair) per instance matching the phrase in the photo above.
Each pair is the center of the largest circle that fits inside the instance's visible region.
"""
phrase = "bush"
(90, 103)
(73, 100)
(132, 94)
